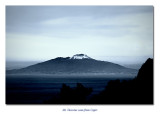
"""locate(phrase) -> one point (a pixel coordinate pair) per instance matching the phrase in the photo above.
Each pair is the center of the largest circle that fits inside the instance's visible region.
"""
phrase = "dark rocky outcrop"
(136, 91)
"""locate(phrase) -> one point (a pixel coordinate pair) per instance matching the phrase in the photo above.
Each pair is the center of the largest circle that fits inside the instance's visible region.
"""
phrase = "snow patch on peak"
(80, 56)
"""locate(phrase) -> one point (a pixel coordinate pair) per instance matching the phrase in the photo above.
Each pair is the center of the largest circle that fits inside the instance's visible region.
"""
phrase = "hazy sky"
(111, 33)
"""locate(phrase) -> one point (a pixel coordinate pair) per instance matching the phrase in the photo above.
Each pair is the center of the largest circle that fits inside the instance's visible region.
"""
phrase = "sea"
(33, 89)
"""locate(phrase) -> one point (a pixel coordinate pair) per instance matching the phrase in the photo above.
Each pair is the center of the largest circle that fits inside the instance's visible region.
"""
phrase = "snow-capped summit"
(80, 56)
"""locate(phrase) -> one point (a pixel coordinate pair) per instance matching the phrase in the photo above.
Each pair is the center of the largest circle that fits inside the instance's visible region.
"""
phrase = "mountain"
(78, 64)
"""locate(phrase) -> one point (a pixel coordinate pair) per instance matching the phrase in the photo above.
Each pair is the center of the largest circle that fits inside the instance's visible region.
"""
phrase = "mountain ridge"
(82, 64)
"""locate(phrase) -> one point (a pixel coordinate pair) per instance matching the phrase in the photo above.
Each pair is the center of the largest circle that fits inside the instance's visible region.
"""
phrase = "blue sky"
(121, 34)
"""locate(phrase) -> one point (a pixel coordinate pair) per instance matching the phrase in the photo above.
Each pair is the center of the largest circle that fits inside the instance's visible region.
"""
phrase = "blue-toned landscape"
(40, 82)
(74, 82)
(79, 55)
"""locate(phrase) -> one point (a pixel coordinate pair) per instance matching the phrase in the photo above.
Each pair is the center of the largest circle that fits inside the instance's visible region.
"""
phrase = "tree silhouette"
(69, 95)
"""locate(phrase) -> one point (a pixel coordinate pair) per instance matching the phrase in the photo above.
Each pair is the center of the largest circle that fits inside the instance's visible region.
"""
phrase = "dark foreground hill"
(136, 91)
(78, 64)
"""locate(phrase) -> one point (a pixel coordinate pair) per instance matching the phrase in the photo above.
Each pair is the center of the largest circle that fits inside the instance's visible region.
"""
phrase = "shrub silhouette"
(69, 95)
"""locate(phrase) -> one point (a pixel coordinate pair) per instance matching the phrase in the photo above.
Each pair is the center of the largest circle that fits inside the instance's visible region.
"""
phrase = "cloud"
(48, 32)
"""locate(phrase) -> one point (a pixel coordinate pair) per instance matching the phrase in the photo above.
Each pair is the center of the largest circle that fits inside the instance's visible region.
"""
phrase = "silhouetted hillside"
(136, 91)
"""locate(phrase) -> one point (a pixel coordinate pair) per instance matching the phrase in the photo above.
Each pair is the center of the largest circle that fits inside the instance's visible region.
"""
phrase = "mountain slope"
(79, 63)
